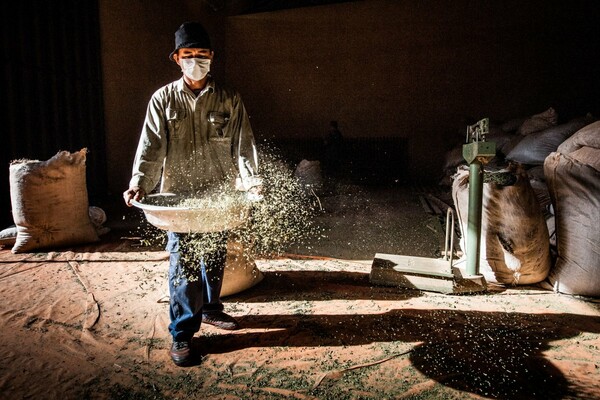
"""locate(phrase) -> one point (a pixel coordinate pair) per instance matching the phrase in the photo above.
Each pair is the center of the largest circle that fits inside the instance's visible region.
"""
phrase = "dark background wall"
(417, 70)
(137, 38)
(411, 71)
(51, 88)
(408, 74)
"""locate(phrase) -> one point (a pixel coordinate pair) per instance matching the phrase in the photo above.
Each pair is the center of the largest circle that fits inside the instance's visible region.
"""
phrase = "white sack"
(309, 173)
(240, 271)
(575, 191)
(588, 136)
(8, 236)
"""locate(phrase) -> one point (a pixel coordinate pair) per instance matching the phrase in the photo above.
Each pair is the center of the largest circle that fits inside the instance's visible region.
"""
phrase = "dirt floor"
(90, 322)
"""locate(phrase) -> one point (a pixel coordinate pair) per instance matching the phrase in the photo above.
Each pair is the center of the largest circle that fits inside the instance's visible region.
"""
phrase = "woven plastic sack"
(515, 247)
(575, 192)
(588, 136)
(50, 202)
(8, 236)
(309, 173)
(240, 271)
(534, 148)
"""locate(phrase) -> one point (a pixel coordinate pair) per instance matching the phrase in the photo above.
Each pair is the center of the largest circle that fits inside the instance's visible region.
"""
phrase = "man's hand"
(255, 193)
(133, 193)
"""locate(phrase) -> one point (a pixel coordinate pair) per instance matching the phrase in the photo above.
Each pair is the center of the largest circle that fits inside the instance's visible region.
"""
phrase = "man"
(334, 146)
(196, 134)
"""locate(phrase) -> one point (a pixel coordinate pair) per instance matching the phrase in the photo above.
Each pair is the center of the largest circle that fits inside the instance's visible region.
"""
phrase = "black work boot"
(181, 353)
(220, 320)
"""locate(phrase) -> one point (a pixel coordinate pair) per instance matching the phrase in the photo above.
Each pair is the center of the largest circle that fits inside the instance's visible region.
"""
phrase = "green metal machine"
(477, 152)
(440, 275)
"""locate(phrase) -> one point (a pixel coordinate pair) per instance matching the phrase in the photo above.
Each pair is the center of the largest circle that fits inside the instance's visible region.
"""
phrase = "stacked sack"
(573, 177)
(561, 164)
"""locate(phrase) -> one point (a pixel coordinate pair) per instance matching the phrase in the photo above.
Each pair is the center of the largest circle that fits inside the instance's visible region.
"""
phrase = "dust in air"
(285, 216)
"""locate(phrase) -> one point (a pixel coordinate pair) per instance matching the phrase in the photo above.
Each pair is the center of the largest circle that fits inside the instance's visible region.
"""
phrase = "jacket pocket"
(175, 118)
(217, 122)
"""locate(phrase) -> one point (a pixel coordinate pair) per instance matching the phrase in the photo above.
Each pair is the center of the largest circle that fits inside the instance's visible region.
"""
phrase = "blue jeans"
(190, 299)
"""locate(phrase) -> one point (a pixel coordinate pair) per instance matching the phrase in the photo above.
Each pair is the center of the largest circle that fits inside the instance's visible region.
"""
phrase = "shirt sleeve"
(152, 147)
(244, 152)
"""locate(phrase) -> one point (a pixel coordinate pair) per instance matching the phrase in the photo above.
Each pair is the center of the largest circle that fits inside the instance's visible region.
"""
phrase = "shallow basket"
(190, 219)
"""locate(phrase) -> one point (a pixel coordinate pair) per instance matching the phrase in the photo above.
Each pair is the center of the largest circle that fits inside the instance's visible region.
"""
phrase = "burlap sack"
(574, 183)
(240, 272)
(538, 122)
(514, 237)
(588, 136)
(50, 202)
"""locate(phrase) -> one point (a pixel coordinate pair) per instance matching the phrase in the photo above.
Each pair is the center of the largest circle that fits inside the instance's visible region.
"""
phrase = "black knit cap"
(191, 35)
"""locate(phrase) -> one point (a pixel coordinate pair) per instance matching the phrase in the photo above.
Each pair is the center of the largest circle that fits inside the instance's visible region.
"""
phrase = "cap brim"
(193, 45)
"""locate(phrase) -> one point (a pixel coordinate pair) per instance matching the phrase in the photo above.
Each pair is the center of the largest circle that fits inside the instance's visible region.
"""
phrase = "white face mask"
(195, 68)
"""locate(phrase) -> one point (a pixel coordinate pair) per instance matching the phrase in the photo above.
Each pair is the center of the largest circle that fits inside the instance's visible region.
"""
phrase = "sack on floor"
(514, 239)
(574, 182)
(8, 236)
(240, 272)
(50, 202)
(309, 174)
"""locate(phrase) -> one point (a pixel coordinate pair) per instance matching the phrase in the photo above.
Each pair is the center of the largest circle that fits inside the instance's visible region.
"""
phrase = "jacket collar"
(210, 85)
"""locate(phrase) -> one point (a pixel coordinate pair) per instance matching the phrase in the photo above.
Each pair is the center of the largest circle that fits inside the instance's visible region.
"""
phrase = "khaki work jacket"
(189, 142)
